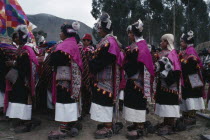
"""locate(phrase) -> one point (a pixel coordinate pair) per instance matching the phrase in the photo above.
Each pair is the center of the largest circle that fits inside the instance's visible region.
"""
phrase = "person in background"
(87, 82)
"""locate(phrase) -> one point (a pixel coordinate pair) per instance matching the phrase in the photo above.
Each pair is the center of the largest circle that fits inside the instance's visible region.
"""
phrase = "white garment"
(66, 112)
(134, 115)
(19, 111)
(167, 110)
(192, 104)
(101, 113)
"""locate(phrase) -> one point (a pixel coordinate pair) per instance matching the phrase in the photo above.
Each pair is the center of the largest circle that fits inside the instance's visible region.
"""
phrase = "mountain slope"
(51, 25)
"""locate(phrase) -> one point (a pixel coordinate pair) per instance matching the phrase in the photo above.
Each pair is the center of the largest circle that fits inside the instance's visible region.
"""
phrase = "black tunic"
(168, 98)
(21, 89)
(133, 97)
(3, 71)
(187, 91)
(96, 65)
(60, 59)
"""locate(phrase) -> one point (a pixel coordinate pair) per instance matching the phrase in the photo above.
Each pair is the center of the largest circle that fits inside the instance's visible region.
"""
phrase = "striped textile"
(86, 55)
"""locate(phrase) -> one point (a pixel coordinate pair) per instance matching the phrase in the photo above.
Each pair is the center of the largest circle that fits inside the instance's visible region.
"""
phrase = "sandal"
(54, 135)
(136, 134)
(166, 130)
(103, 133)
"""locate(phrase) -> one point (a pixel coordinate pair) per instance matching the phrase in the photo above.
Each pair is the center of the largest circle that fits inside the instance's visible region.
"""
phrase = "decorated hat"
(104, 22)
(87, 36)
(188, 37)
(170, 39)
(136, 28)
(70, 28)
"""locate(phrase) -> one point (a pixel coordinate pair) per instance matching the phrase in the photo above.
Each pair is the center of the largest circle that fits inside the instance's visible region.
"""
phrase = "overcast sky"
(68, 9)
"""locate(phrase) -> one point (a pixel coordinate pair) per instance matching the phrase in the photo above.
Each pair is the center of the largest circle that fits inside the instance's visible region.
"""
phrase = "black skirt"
(134, 98)
(166, 98)
(191, 93)
(19, 93)
(63, 96)
(101, 99)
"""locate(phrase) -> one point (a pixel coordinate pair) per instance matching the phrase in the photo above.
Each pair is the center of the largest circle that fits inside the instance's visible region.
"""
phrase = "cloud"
(68, 9)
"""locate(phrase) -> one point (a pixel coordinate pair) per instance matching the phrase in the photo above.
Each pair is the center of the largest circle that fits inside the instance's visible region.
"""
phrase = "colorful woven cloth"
(11, 15)
(2, 18)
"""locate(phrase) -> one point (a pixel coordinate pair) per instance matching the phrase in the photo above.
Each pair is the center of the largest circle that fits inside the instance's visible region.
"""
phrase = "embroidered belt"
(169, 90)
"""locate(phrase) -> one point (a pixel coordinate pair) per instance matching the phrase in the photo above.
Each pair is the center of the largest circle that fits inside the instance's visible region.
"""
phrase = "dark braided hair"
(64, 29)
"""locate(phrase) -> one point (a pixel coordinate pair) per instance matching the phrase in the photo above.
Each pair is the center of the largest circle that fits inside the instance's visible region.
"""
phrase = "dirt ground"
(89, 126)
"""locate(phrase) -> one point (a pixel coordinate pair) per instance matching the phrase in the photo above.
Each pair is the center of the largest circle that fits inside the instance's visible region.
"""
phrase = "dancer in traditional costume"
(20, 88)
(7, 52)
(67, 65)
(139, 69)
(192, 89)
(168, 69)
(105, 67)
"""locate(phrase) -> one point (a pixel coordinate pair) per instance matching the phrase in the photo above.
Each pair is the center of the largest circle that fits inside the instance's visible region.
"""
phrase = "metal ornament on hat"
(129, 28)
(190, 35)
(139, 25)
(109, 23)
(104, 18)
(182, 36)
(75, 27)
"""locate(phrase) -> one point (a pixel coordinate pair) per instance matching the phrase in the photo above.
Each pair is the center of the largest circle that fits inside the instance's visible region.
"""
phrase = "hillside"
(51, 25)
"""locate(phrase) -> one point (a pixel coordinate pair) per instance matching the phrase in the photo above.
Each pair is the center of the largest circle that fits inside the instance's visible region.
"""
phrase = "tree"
(198, 19)
(157, 16)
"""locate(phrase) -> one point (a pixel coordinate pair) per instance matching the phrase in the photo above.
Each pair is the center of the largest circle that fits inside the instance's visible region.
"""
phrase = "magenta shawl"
(145, 56)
